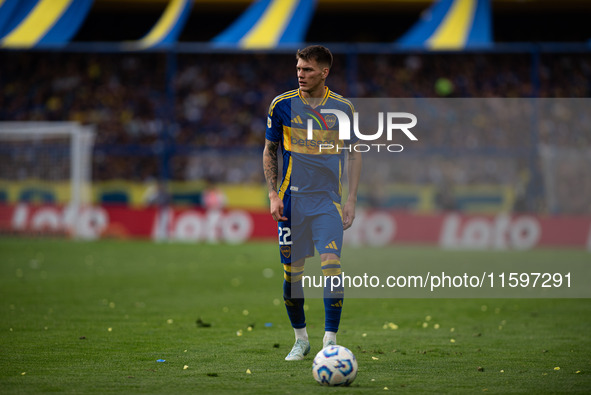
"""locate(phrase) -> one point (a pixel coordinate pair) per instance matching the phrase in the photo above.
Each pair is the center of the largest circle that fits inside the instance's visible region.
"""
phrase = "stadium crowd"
(206, 117)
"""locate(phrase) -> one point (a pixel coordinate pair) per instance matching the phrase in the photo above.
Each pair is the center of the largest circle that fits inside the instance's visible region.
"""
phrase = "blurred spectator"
(214, 127)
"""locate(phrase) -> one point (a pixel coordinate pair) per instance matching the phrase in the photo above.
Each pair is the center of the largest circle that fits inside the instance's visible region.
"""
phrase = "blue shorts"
(313, 221)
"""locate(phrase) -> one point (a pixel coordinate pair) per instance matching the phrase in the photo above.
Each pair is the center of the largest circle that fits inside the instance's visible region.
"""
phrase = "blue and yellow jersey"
(309, 165)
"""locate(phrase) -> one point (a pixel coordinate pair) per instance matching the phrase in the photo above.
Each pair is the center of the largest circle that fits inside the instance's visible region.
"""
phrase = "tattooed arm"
(270, 166)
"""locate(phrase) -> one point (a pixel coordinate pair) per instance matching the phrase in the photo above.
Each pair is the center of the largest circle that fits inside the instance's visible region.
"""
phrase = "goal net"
(47, 163)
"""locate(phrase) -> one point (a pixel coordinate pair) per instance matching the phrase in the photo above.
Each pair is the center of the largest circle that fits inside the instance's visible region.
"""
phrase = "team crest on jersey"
(269, 122)
(331, 120)
(286, 251)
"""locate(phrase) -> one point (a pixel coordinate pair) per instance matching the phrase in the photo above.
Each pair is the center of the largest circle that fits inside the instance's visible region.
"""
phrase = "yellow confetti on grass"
(185, 367)
(248, 371)
(557, 368)
(110, 329)
(375, 358)
(452, 340)
(239, 332)
(23, 373)
(169, 321)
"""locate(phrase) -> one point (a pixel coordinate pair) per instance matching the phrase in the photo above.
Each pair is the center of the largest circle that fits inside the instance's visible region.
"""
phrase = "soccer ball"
(334, 365)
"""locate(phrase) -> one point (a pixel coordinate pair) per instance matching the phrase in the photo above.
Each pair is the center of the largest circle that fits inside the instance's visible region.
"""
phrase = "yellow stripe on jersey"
(42, 18)
(327, 93)
(454, 29)
(287, 138)
(286, 180)
(342, 100)
(339, 208)
(271, 25)
(286, 95)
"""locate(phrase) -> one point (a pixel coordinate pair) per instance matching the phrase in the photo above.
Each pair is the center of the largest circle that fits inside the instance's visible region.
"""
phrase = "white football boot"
(300, 349)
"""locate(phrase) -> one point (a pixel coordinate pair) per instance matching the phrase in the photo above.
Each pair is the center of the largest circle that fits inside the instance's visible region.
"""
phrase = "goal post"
(53, 156)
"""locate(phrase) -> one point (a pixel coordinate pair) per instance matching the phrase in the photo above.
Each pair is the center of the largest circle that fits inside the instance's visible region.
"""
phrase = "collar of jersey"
(324, 99)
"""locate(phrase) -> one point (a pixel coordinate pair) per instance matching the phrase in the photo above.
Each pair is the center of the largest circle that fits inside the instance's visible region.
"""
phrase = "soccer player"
(307, 204)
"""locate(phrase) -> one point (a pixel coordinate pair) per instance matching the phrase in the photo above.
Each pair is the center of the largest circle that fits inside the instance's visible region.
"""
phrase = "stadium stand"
(175, 112)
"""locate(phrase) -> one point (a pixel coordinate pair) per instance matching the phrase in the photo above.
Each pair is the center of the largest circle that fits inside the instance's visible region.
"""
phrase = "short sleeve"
(274, 125)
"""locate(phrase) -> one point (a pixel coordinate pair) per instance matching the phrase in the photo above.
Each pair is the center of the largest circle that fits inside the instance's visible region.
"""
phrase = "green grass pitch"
(95, 317)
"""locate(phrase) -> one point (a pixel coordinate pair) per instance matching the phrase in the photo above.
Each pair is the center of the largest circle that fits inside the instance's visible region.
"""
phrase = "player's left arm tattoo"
(270, 165)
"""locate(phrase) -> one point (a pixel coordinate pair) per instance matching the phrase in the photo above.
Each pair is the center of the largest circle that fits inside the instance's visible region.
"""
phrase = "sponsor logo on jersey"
(310, 143)
(297, 120)
(296, 141)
